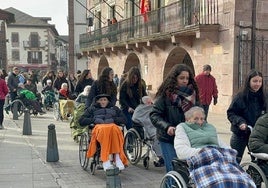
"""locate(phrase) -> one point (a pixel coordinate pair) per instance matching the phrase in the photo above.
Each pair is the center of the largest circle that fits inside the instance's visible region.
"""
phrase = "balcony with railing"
(30, 44)
(171, 22)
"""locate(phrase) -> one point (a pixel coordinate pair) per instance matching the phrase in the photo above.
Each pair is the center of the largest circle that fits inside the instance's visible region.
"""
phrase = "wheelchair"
(255, 169)
(95, 162)
(63, 112)
(134, 141)
(21, 105)
(49, 99)
(179, 177)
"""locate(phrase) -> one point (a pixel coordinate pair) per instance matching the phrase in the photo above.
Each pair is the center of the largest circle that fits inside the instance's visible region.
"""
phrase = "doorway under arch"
(103, 63)
(177, 56)
(131, 61)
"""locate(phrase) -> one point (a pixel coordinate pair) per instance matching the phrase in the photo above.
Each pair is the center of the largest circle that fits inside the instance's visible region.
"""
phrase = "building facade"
(156, 35)
(31, 43)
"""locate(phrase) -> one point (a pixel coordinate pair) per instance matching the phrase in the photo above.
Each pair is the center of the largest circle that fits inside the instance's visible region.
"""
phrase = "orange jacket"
(111, 140)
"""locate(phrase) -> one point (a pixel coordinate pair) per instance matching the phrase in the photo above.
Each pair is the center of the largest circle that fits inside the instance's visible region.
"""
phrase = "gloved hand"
(215, 100)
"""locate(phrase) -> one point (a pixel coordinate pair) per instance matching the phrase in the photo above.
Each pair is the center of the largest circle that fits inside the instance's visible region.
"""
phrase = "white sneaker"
(106, 165)
(118, 162)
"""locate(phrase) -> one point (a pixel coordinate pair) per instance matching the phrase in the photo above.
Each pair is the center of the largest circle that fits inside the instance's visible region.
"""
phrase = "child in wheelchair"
(105, 119)
(49, 95)
(258, 142)
(143, 124)
(29, 100)
(210, 162)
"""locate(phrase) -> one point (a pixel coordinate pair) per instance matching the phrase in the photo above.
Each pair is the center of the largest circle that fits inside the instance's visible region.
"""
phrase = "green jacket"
(200, 137)
(258, 140)
(27, 94)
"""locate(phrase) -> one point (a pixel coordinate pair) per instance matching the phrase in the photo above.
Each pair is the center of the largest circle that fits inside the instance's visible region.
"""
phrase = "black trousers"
(2, 102)
(239, 143)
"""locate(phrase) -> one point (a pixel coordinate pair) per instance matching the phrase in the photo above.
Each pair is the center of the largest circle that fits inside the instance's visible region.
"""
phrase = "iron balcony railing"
(29, 44)
(173, 18)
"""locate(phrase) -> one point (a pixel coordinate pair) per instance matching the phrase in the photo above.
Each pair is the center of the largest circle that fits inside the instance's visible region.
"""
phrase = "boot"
(1, 126)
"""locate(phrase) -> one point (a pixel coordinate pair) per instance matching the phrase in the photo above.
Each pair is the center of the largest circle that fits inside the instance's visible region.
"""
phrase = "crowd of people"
(177, 115)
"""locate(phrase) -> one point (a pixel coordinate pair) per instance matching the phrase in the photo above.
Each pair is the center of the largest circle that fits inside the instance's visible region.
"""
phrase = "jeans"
(169, 154)
(239, 143)
(129, 119)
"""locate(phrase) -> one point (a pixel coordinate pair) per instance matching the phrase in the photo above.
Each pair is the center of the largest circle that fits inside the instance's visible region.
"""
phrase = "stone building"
(156, 35)
(31, 43)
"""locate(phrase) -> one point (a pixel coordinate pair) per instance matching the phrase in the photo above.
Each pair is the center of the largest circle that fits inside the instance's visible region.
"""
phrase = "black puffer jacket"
(258, 140)
(95, 114)
(248, 112)
(164, 115)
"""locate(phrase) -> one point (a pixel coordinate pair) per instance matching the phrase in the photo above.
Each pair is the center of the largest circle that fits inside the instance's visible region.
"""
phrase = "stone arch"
(131, 61)
(177, 56)
(103, 63)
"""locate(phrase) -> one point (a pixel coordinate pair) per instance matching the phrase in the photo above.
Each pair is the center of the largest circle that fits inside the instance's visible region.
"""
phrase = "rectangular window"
(15, 39)
(34, 40)
(34, 57)
(15, 55)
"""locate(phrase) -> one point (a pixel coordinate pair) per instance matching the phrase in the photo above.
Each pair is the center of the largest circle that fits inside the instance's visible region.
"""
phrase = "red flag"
(144, 8)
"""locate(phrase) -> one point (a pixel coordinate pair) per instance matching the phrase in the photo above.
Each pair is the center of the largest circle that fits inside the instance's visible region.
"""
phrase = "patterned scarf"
(184, 97)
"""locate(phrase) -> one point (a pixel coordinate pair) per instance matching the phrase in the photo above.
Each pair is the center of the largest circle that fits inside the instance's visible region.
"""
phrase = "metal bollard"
(112, 177)
(52, 147)
(27, 126)
(15, 111)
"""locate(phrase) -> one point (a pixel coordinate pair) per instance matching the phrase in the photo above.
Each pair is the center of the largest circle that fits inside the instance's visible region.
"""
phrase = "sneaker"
(159, 163)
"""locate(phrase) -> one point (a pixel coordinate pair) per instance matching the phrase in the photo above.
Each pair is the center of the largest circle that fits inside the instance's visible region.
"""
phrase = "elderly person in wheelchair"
(210, 162)
(104, 119)
(258, 142)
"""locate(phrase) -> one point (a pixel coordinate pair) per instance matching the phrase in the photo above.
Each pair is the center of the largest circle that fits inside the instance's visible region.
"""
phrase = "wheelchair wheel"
(256, 174)
(83, 147)
(133, 146)
(56, 111)
(20, 106)
(173, 180)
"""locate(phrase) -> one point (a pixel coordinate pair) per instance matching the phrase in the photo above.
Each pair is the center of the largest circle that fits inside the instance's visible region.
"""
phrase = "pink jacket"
(3, 89)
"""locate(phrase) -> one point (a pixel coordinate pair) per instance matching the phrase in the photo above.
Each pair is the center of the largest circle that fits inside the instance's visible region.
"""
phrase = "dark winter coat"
(258, 140)
(12, 82)
(164, 114)
(95, 114)
(82, 84)
(248, 112)
(58, 82)
(126, 101)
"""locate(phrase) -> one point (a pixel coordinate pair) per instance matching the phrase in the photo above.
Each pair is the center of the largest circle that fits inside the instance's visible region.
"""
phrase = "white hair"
(188, 114)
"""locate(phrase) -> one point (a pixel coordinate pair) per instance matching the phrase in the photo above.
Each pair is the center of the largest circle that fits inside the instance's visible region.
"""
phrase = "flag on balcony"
(145, 7)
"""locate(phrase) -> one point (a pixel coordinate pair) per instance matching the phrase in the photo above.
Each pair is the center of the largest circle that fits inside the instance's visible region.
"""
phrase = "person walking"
(246, 107)
(12, 83)
(59, 80)
(131, 93)
(207, 88)
(104, 85)
(84, 80)
(3, 93)
(176, 95)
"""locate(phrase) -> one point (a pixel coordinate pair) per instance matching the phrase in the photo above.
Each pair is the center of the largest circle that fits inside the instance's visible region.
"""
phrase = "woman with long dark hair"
(131, 92)
(246, 107)
(176, 95)
(104, 85)
(84, 80)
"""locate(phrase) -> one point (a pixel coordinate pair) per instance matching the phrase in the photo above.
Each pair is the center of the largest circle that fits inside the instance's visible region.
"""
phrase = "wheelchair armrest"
(262, 156)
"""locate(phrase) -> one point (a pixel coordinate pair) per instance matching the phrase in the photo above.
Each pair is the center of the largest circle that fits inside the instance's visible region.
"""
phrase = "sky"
(56, 9)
